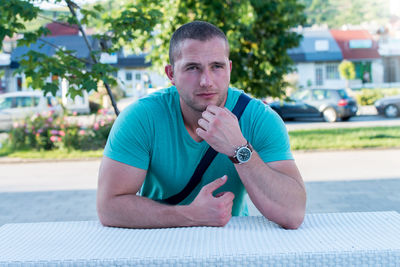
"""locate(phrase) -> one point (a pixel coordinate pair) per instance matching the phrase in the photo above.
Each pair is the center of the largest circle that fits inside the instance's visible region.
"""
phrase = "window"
(332, 72)
(25, 101)
(319, 78)
(7, 103)
(128, 76)
(138, 76)
(19, 83)
(321, 45)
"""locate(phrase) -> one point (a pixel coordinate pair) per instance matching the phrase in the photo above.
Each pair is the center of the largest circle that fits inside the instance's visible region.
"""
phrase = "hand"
(207, 210)
(220, 128)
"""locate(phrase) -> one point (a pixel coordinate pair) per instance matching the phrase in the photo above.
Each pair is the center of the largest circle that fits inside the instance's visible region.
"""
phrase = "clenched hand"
(209, 210)
(220, 128)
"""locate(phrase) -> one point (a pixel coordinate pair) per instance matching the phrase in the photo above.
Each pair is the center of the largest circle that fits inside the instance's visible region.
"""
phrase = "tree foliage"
(347, 70)
(259, 34)
(336, 13)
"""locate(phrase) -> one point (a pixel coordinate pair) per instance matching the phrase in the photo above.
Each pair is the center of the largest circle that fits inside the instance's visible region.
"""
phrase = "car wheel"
(391, 111)
(330, 115)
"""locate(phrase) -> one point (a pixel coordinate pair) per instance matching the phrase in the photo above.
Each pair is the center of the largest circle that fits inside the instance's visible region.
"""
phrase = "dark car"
(389, 106)
(330, 104)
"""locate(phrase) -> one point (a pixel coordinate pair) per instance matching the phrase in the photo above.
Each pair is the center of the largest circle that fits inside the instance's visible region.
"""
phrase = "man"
(157, 142)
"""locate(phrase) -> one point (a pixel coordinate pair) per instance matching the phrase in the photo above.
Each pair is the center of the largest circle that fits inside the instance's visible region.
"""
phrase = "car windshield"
(343, 94)
(7, 102)
(300, 95)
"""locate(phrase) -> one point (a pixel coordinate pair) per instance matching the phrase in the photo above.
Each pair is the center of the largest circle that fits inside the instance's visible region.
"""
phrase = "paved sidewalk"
(363, 180)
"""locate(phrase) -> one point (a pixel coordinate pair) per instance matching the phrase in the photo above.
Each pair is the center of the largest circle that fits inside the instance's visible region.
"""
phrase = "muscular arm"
(275, 188)
(119, 205)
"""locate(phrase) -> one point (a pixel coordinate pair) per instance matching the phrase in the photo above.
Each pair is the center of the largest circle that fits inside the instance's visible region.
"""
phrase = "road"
(360, 180)
(358, 121)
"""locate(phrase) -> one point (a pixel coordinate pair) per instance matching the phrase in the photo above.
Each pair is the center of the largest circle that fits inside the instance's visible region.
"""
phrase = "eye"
(192, 67)
(218, 66)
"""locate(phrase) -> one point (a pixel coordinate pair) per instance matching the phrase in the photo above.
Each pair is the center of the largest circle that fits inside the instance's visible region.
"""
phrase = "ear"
(169, 70)
(230, 65)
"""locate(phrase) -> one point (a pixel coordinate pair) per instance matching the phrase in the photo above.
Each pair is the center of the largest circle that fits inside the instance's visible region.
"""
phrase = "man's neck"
(190, 120)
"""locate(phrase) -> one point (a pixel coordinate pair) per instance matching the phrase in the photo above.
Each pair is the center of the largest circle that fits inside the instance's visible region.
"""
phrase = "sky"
(395, 7)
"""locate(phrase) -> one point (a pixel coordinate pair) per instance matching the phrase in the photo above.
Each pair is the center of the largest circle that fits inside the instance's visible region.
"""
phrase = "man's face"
(201, 73)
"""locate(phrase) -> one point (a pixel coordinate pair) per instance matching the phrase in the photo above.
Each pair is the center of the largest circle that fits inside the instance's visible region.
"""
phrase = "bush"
(366, 97)
(48, 131)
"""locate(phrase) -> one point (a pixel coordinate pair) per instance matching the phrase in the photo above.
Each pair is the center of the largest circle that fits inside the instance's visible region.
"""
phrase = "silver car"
(389, 106)
(19, 105)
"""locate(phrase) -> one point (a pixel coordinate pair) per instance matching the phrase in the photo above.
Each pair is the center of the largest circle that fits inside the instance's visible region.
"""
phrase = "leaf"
(50, 88)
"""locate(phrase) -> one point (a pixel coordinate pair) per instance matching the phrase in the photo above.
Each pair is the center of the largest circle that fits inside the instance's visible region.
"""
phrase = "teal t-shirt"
(150, 134)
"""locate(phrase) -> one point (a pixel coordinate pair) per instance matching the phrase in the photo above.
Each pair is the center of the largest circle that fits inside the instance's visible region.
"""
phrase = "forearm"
(278, 196)
(133, 211)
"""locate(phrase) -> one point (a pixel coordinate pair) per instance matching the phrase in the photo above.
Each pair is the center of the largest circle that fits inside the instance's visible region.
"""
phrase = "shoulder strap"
(207, 158)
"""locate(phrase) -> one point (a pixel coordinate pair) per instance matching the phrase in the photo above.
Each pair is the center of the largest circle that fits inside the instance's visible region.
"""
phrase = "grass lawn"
(345, 138)
(319, 139)
(56, 154)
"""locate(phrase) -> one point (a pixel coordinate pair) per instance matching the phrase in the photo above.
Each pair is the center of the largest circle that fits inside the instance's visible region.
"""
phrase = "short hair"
(197, 30)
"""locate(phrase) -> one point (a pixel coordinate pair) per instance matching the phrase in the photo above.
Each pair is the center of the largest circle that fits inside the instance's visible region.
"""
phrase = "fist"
(220, 128)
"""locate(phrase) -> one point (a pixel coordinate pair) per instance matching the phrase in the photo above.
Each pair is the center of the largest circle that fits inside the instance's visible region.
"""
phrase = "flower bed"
(48, 131)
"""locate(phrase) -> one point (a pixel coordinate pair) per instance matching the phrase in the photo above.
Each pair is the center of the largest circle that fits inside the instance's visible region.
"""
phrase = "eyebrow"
(197, 64)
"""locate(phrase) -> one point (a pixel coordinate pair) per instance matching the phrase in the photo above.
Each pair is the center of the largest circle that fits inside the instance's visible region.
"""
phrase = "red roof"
(57, 28)
(356, 44)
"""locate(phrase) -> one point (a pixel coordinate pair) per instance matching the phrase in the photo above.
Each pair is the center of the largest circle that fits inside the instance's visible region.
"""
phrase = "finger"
(213, 109)
(227, 197)
(208, 116)
(201, 133)
(203, 124)
(211, 187)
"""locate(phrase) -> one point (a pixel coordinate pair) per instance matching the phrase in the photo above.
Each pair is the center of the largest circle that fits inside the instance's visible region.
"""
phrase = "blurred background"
(330, 69)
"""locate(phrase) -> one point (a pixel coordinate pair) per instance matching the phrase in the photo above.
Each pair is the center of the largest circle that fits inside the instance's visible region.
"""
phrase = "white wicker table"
(335, 239)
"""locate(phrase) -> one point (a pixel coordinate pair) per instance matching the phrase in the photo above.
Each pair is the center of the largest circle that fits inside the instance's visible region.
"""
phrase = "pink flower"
(53, 138)
(81, 132)
(37, 135)
(101, 123)
(61, 133)
(96, 126)
(74, 113)
(59, 139)
(50, 119)
(15, 124)
(40, 131)
(54, 132)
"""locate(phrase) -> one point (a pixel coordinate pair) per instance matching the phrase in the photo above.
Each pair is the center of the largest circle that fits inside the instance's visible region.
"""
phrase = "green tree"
(347, 71)
(259, 33)
(81, 74)
(336, 13)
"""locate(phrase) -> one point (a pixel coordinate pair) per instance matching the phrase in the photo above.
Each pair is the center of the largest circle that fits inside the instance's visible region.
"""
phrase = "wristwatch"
(242, 154)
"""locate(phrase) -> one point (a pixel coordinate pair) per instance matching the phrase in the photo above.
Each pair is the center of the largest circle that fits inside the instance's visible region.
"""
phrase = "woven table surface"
(331, 239)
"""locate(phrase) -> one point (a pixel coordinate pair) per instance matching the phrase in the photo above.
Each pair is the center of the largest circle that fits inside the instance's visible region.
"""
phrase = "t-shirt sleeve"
(129, 141)
(268, 134)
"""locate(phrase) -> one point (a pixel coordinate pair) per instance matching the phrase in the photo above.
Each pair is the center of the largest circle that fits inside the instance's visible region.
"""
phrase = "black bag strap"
(207, 158)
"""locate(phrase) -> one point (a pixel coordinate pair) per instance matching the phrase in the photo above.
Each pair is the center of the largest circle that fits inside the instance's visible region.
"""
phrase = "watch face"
(243, 154)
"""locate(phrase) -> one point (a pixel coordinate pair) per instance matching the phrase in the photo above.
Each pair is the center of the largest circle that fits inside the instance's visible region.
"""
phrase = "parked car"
(330, 104)
(19, 105)
(388, 106)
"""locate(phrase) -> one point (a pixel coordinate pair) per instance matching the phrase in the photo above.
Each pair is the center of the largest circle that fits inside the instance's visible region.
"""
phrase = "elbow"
(295, 216)
(102, 214)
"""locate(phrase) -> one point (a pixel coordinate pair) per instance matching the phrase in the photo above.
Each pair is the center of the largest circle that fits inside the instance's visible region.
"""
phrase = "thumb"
(211, 187)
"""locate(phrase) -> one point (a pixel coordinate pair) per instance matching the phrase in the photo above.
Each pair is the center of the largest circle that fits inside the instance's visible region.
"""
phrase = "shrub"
(47, 131)
(369, 96)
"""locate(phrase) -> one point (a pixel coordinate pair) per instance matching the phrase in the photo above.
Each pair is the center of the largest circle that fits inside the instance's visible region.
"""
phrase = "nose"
(205, 79)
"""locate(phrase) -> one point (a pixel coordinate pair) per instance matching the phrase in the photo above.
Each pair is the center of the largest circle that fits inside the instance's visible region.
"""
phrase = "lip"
(207, 94)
